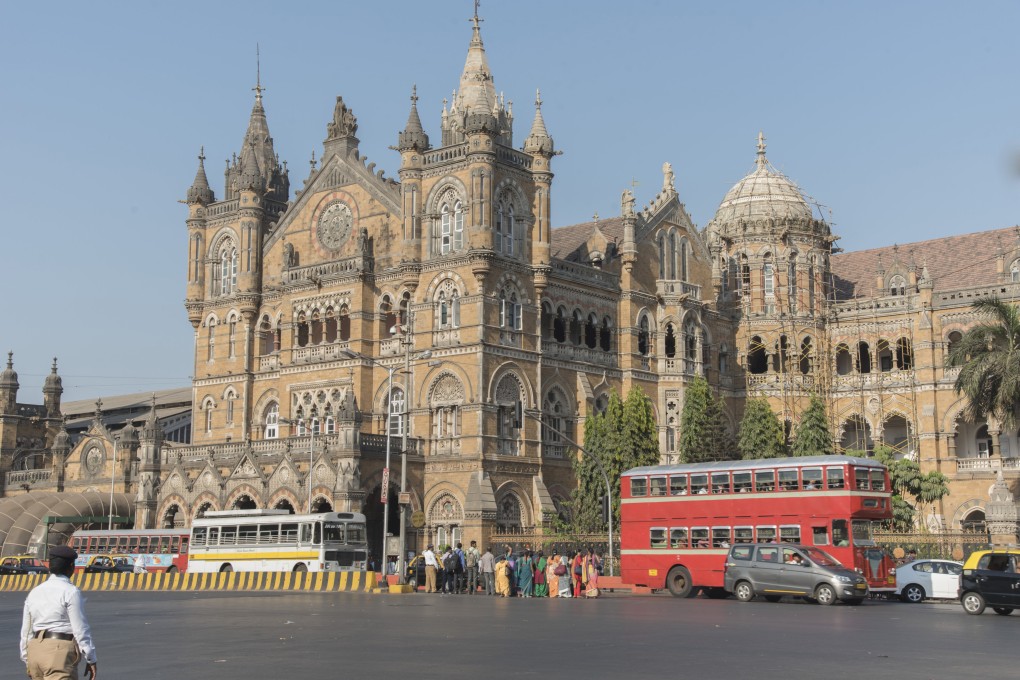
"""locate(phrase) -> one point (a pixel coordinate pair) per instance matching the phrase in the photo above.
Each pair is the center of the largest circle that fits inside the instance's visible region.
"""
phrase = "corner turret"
(9, 387)
(53, 387)
(199, 191)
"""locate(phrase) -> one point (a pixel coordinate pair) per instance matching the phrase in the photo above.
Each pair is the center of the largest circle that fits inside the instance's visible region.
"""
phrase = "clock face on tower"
(334, 225)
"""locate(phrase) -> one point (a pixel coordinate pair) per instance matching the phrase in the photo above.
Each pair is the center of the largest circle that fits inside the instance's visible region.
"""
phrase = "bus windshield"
(333, 532)
(822, 558)
(862, 532)
(356, 534)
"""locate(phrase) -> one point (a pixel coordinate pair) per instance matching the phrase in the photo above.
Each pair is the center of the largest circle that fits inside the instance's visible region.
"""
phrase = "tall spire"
(413, 136)
(761, 161)
(477, 91)
(200, 192)
(538, 140)
(257, 166)
(258, 76)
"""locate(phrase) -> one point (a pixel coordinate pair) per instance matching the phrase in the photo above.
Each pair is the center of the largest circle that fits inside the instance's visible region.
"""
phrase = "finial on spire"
(538, 98)
(596, 216)
(201, 154)
(258, 89)
(10, 359)
(414, 94)
(475, 20)
(53, 368)
(761, 150)
(312, 162)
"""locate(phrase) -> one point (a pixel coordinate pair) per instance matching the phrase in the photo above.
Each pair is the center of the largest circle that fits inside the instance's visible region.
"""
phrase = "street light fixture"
(311, 453)
(385, 489)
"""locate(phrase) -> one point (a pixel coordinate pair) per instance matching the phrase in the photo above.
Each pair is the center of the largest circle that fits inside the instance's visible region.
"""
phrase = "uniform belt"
(43, 634)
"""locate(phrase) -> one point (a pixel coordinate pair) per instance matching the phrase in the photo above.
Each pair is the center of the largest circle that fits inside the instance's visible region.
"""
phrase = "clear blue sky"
(900, 117)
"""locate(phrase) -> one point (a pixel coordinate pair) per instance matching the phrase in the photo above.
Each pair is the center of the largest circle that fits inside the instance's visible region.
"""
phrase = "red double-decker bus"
(678, 521)
(157, 549)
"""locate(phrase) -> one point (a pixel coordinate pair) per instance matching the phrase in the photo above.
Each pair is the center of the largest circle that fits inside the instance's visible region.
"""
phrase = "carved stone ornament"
(94, 460)
(207, 478)
(245, 469)
(344, 124)
(335, 225)
(284, 475)
(448, 390)
(508, 390)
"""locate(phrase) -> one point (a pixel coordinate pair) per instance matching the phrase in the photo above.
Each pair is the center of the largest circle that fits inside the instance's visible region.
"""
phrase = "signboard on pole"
(385, 485)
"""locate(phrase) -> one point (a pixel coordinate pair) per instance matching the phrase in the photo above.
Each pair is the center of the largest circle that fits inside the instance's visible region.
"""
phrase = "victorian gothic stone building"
(444, 310)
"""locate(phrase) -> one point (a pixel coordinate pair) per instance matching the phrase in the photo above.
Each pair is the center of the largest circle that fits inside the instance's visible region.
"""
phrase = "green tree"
(719, 443)
(912, 489)
(989, 361)
(623, 437)
(761, 433)
(813, 437)
(695, 425)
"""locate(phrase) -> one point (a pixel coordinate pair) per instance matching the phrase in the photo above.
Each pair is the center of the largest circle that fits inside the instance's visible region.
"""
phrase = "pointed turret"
(152, 431)
(538, 140)
(257, 167)
(9, 386)
(200, 192)
(53, 387)
(413, 136)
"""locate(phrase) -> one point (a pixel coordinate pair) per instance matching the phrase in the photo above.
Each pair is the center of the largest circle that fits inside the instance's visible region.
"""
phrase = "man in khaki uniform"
(55, 634)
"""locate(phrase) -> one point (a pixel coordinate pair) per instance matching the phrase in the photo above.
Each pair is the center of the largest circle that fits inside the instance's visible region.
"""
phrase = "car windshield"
(822, 558)
(30, 562)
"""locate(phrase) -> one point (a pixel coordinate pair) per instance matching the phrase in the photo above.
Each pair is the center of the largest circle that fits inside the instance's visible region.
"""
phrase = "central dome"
(764, 194)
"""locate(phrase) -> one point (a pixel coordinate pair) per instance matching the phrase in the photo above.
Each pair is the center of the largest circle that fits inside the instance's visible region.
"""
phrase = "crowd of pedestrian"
(528, 573)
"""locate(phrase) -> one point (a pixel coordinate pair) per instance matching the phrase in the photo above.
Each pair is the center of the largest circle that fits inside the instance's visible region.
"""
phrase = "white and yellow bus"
(275, 540)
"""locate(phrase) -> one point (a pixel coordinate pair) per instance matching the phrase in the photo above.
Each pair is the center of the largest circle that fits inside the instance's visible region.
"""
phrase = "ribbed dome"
(9, 377)
(765, 193)
(53, 382)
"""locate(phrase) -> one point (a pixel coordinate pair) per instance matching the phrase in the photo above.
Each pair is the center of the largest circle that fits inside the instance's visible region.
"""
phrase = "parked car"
(922, 579)
(991, 578)
(776, 569)
(110, 564)
(22, 564)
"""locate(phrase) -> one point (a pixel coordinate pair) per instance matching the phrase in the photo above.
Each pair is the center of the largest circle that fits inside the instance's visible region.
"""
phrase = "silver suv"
(776, 569)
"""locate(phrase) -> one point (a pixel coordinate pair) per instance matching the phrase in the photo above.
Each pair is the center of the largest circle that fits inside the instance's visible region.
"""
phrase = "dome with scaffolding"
(765, 194)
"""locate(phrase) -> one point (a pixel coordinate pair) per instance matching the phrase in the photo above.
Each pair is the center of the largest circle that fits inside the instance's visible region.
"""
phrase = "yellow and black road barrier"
(346, 581)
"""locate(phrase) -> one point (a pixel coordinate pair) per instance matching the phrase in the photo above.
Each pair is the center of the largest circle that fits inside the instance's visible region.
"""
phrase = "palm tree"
(989, 357)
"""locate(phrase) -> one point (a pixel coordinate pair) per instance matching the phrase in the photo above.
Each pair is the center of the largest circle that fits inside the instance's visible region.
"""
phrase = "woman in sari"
(502, 578)
(564, 578)
(540, 581)
(551, 579)
(591, 574)
(525, 574)
(577, 572)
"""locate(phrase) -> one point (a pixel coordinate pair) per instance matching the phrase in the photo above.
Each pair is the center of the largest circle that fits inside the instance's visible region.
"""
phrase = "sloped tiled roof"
(954, 262)
(567, 240)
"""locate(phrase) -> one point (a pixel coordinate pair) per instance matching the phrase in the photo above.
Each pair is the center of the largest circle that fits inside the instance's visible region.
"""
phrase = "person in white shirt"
(55, 634)
(431, 564)
(140, 565)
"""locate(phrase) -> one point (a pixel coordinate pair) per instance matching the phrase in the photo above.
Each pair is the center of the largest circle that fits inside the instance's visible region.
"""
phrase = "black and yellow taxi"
(991, 578)
(22, 564)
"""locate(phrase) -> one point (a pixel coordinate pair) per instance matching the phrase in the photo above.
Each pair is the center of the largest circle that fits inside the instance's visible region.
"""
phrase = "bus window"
(840, 536)
(861, 529)
(143, 545)
(306, 533)
(132, 546)
(820, 535)
(356, 533)
(103, 543)
(201, 534)
(269, 533)
(788, 480)
(741, 482)
(699, 537)
(766, 534)
(228, 536)
(122, 543)
(765, 480)
(743, 534)
(247, 534)
(678, 485)
(658, 486)
(184, 545)
(334, 532)
(657, 537)
(789, 534)
(76, 544)
(288, 533)
(217, 537)
(720, 537)
(175, 545)
(878, 480)
(811, 478)
(678, 538)
(834, 477)
(861, 479)
(699, 484)
(317, 533)
(164, 544)
(720, 482)
(638, 487)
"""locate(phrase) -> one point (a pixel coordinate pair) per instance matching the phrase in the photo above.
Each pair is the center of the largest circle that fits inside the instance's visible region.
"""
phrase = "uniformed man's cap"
(64, 552)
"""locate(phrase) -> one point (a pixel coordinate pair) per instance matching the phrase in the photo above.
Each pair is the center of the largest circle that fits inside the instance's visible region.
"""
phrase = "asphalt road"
(342, 635)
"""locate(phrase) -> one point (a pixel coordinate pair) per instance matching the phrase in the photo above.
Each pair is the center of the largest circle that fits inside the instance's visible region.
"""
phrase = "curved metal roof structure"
(21, 517)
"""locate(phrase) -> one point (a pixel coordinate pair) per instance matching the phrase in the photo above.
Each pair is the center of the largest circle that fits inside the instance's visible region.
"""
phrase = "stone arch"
(172, 514)
(952, 416)
(239, 491)
(522, 207)
(444, 506)
(322, 503)
(204, 503)
(527, 391)
(439, 191)
(285, 494)
(514, 281)
(439, 279)
(219, 239)
(856, 432)
(513, 506)
(447, 388)
(965, 509)
(426, 386)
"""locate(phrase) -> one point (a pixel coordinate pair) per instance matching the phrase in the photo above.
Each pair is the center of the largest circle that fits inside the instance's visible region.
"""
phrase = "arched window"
(642, 338)
(745, 276)
(547, 320)
(211, 340)
(954, 339)
(225, 269)
(601, 403)
(811, 287)
(791, 283)
(316, 328)
(904, 355)
(663, 271)
(331, 329)
(560, 325)
(757, 356)
(724, 359)
(672, 255)
(606, 335)
(897, 285)
(557, 424)
(509, 415)
(781, 358)
(669, 342)
(345, 323)
(504, 238)
(450, 236)
(395, 407)
(388, 322)
(591, 329)
(232, 336)
(863, 358)
(885, 356)
(690, 344)
(806, 357)
(403, 315)
(448, 308)
(844, 362)
(576, 328)
(768, 277)
(265, 337)
(1014, 271)
(683, 260)
(231, 399)
(272, 422)
(509, 310)
(208, 416)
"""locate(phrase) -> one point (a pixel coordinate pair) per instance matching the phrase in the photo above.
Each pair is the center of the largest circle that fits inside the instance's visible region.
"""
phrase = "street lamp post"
(311, 454)
(113, 478)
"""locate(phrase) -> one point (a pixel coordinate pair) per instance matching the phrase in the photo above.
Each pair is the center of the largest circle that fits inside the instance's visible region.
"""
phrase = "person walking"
(450, 564)
(55, 634)
(504, 574)
(459, 585)
(487, 563)
(471, 558)
(431, 565)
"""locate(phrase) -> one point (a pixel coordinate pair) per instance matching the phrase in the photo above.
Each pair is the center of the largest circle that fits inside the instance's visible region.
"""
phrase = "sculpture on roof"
(344, 124)
(627, 203)
(667, 176)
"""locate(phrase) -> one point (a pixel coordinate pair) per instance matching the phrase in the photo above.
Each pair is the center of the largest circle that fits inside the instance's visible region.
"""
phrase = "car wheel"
(300, 568)
(825, 594)
(914, 594)
(679, 582)
(744, 591)
(226, 569)
(773, 598)
(1003, 611)
(973, 603)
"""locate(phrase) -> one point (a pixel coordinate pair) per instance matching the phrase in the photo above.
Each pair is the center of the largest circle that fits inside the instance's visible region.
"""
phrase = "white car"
(921, 579)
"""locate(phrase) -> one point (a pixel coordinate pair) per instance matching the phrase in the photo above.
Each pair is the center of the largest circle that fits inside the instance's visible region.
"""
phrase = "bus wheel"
(226, 569)
(825, 594)
(716, 593)
(300, 568)
(744, 591)
(171, 570)
(679, 582)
